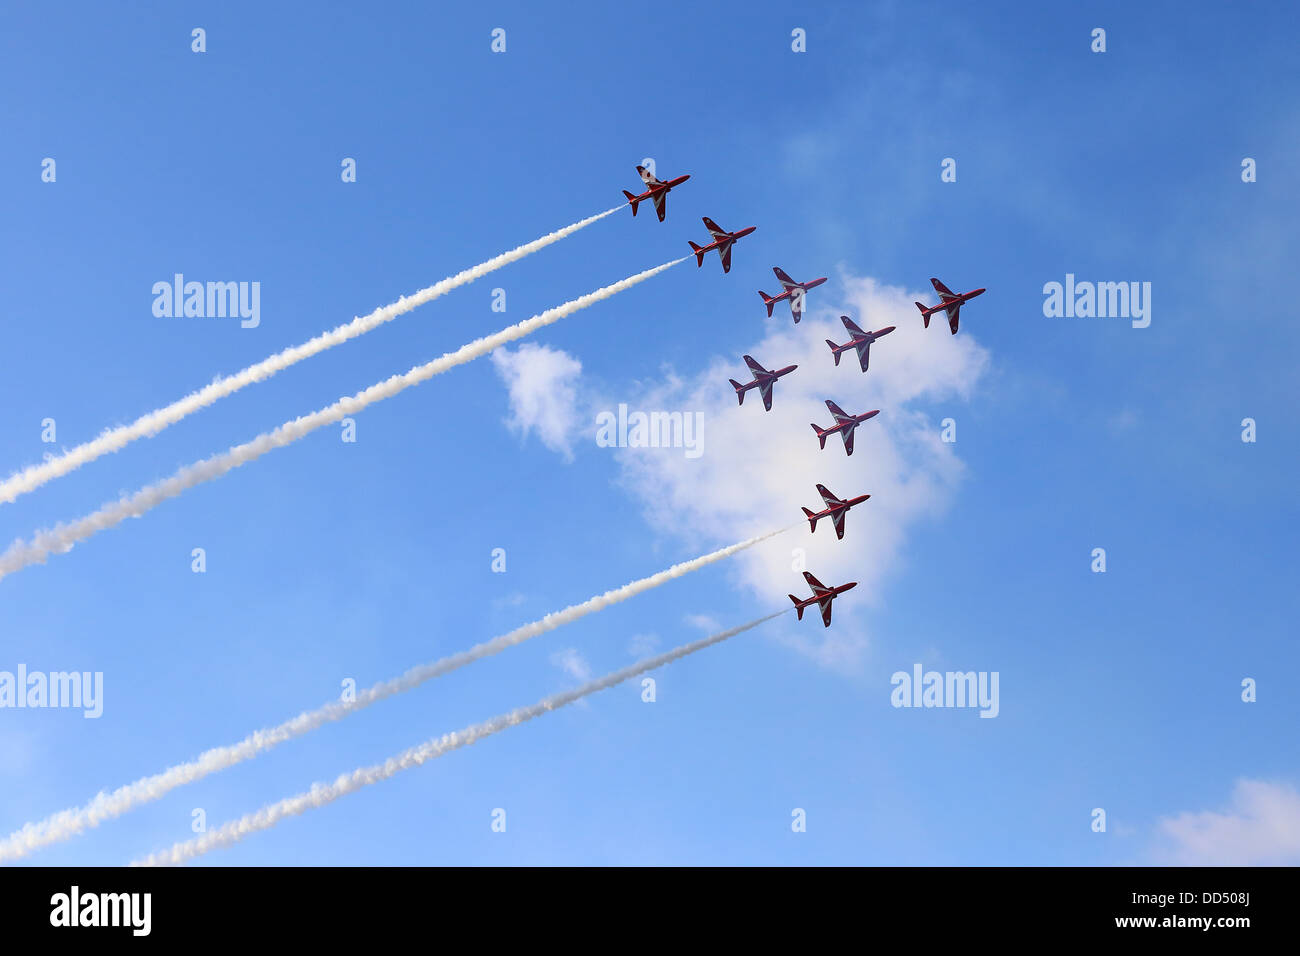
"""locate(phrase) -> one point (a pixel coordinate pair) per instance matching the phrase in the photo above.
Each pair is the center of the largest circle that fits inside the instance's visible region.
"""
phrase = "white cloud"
(703, 622)
(1261, 827)
(543, 394)
(574, 664)
(757, 468)
(643, 645)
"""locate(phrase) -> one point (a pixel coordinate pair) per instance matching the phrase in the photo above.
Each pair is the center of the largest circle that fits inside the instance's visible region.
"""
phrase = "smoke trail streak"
(107, 806)
(146, 426)
(62, 537)
(322, 794)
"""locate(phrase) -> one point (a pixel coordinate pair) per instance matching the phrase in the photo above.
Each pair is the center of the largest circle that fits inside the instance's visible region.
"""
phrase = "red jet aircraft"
(844, 424)
(859, 340)
(763, 381)
(793, 291)
(656, 191)
(722, 241)
(835, 510)
(951, 303)
(822, 597)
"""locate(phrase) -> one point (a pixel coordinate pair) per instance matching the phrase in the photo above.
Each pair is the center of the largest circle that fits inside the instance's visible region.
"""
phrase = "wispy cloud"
(639, 645)
(543, 395)
(1260, 827)
(571, 661)
(702, 622)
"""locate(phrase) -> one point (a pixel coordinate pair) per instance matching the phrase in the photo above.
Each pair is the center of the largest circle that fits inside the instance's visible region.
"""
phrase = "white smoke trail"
(114, 439)
(107, 806)
(62, 537)
(321, 794)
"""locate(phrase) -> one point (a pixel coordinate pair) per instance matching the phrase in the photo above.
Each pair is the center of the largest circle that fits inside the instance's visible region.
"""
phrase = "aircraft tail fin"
(767, 301)
(798, 608)
(740, 391)
(632, 199)
(821, 435)
(699, 253)
(925, 313)
(834, 351)
(812, 518)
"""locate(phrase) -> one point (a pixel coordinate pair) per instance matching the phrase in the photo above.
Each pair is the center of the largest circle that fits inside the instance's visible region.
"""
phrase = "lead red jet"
(951, 302)
(656, 191)
(722, 241)
(793, 291)
(763, 381)
(822, 597)
(859, 340)
(836, 509)
(844, 424)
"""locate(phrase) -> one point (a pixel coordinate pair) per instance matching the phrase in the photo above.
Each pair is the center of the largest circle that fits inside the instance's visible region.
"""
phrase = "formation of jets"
(860, 341)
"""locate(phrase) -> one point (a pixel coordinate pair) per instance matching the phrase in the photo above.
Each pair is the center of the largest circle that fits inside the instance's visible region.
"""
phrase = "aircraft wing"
(838, 518)
(953, 312)
(826, 611)
(754, 366)
(660, 200)
(840, 414)
(848, 439)
(864, 354)
(827, 497)
(817, 586)
(851, 325)
(944, 292)
(765, 389)
(648, 177)
(784, 279)
(717, 231)
(725, 252)
(796, 302)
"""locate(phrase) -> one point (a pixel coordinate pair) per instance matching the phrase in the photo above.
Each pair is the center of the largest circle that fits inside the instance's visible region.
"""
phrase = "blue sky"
(329, 560)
